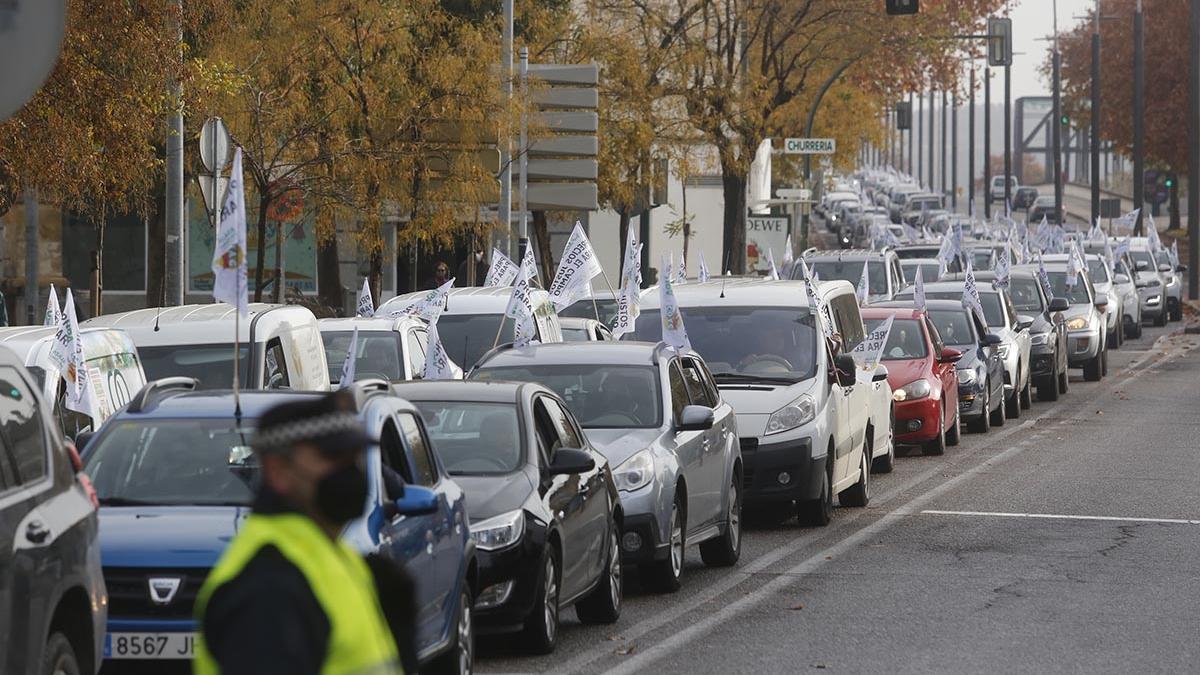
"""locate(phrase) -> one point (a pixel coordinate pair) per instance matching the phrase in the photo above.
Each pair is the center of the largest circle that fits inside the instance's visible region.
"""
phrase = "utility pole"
(932, 140)
(33, 293)
(523, 181)
(920, 139)
(506, 88)
(943, 162)
(910, 137)
(971, 146)
(1194, 155)
(174, 212)
(1056, 128)
(1007, 139)
(1095, 131)
(987, 142)
(1139, 118)
(954, 152)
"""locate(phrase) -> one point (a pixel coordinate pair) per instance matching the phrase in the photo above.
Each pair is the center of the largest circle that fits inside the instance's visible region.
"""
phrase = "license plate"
(149, 645)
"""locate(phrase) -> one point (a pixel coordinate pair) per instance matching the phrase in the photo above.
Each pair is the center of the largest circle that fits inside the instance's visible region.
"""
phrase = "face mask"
(342, 493)
(478, 257)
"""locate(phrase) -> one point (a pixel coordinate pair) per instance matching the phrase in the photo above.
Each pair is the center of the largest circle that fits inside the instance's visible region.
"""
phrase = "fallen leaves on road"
(615, 638)
(796, 608)
(626, 651)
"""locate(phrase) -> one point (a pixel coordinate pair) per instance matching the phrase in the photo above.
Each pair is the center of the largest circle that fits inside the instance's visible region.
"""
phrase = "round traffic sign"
(214, 144)
(31, 33)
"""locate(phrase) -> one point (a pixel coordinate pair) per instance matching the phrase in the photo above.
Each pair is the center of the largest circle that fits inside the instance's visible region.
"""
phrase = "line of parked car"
(548, 473)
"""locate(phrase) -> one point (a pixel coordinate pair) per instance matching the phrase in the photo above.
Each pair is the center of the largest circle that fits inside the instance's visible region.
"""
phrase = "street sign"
(799, 194)
(896, 7)
(560, 164)
(999, 42)
(31, 33)
(809, 146)
(903, 116)
(1110, 208)
(214, 144)
(206, 190)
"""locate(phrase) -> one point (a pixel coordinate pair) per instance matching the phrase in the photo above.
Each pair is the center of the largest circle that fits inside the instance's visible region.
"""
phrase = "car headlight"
(966, 376)
(912, 391)
(500, 531)
(797, 413)
(1039, 339)
(636, 472)
(1002, 348)
(1077, 323)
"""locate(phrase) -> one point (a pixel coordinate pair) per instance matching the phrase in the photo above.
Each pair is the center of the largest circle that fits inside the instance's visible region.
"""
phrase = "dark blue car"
(175, 475)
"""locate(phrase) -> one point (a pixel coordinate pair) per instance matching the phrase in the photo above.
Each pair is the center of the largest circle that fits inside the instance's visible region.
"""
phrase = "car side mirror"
(695, 418)
(844, 366)
(416, 501)
(1023, 322)
(1101, 300)
(1181, 268)
(571, 461)
(1059, 305)
(881, 374)
(82, 439)
(1164, 268)
(992, 340)
(1121, 279)
(949, 355)
(1142, 265)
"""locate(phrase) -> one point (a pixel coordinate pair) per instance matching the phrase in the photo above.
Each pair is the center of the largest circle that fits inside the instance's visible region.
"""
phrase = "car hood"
(489, 496)
(901, 373)
(1082, 310)
(619, 444)
(167, 536)
(763, 399)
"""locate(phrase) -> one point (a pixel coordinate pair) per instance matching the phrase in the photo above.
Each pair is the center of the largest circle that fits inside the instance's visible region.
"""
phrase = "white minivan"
(112, 360)
(805, 425)
(279, 346)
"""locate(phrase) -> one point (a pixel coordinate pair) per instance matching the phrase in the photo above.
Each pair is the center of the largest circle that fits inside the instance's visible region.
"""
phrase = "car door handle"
(36, 532)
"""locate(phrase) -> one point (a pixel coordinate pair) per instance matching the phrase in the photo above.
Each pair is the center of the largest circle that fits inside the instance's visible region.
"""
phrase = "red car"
(923, 379)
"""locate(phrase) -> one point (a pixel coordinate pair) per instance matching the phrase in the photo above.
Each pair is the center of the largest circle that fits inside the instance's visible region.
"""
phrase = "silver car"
(1087, 334)
(1102, 281)
(673, 442)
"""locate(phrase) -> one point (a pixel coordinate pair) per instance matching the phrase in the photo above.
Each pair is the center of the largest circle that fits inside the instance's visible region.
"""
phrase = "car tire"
(886, 463)
(1012, 404)
(1177, 312)
(984, 423)
(859, 494)
(603, 604)
(1000, 415)
(1027, 395)
(1134, 330)
(937, 446)
(1104, 364)
(460, 658)
(1064, 381)
(954, 433)
(725, 550)
(541, 628)
(665, 576)
(1047, 389)
(818, 512)
(59, 657)
(1092, 370)
(1161, 319)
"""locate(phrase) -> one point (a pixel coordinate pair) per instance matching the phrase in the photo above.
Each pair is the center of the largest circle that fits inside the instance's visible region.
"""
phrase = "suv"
(900, 196)
(997, 188)
(1147, 259)
(174, 471)
(53, 597)
(1087, 328)
(659, 419)
(885, 277)
(1043, 207)
(800, 414)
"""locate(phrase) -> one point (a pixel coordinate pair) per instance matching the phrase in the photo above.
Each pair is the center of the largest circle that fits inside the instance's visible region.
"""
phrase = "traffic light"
(896, 7)
(1065, 120)
(1000, 39)
(903, 116)
(1170, 181)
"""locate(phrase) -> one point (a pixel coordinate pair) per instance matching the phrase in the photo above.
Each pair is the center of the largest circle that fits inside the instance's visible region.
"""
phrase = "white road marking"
(1057, 516)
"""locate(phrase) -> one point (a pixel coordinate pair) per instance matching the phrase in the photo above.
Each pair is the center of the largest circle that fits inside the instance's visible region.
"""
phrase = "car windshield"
(1098, 271)
(583, 309)
(1025, 295)
(954, 327)
(745, 343)
(993, 313)
(929, 272)
(1076, 295)
(467, 337)
(211, 364)
(981, 259)
(906, 341)
(602, 396)
(575, 334)
(173, 462)
(1144, 257)
(833, 270)
(376, 355)
(473, 437)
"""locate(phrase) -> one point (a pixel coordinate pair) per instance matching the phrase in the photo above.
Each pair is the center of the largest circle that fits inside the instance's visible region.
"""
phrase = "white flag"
(229, 249)
(970, 296)
(631, 267)
(919, 290)
(575, 271)
(429, 306)
(366, 305)
(1174, 253)
(1003, 269)
(1152, 234)
(814, 301)
(1129, 220)
(789, 259)
(772, 271)
(520, 310)
(1044, 279)
(529, 264)
(704, 275)
(673, 331)
(1095, 233)
(438, 365)
(627, 310)
(864, 286)
(503, 270)
(681, 275)
(351, 362)
(1122, 249)
(869, 352)
(53, 313)
(1075, 266)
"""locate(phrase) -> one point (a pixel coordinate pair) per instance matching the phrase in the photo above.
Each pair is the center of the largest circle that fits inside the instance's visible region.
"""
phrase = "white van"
(279, 346)
(468, 324)
(112, 360)
(803, 423)
(389, 348)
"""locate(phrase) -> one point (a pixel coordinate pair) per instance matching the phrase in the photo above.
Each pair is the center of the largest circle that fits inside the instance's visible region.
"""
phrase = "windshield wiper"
(733, 378)
(126, 501)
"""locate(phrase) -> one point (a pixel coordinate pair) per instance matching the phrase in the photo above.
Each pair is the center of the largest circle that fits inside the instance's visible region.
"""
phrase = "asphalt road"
(1066, 541)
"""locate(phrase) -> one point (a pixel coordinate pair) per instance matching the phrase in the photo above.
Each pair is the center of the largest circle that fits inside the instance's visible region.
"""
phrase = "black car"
(1048, 334)
(543, 506)
(1043, 207)
(53, 603)
(980, 369)
(1024, 197)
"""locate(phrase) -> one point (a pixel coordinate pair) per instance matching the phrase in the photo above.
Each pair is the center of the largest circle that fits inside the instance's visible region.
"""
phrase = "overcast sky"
(1033, 21)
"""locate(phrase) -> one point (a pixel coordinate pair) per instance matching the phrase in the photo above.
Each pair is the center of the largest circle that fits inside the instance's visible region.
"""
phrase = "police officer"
(287, 596)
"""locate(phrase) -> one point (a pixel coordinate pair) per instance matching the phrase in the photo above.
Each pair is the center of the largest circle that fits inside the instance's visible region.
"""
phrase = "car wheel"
(1012, 404)
(665, 575)
(59, 657)
(1177, 312)
(886, 463)
(1000, 414)
(937, 446)
(984, 423)
(819, 511)
(541, 628)
(954, 433)
(1027, 395)
(725, 550)
(603, 604)
(1092, 370)
(1047, 388)
(1135, 329)
(1104, 364)
(859, 494)
(460, 659)
(1064, 381)
(1161, 319)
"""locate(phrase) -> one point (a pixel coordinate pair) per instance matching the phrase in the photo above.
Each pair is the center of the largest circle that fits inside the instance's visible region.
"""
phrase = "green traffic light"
(1066, 120)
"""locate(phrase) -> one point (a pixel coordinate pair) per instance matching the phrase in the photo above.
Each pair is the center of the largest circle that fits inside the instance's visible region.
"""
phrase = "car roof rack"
(162, 386)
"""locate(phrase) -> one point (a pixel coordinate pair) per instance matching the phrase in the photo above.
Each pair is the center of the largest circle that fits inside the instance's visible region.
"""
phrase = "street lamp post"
(1095, 130)
(971, 146)
(910, 136)
(932, 140)
(943, 162)
(1139, 115)
(1056, 127)
(987, 142)
(954, 152)
(1194, 155)
(1007, 138)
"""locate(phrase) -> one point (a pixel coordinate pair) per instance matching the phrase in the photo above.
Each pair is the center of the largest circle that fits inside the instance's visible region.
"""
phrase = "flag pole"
(499, 329)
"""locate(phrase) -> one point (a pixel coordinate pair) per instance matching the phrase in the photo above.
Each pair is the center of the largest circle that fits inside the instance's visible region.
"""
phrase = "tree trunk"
(623, 228)
(329, 275)
(733, 186)
(98, 276)
(1174, 192)
(375, 276)
(261, 250)
(542, 234)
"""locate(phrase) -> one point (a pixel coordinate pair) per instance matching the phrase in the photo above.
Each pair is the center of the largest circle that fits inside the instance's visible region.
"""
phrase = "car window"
(210, 364)
(376, 355)
(275, 375)
(564, 425)
(680, 396)
(414, 345)
(1008, 308)
(934, 336)
(834, 270)
(847, 320)
(1098, 271)
(714, 394)
(695, 384)
(613, 397)
(954, 326)
(1026, 294)
(1076, 294)
(391, 451)
(424, 468)
(906, 341)
(21, 424)
(471, 437)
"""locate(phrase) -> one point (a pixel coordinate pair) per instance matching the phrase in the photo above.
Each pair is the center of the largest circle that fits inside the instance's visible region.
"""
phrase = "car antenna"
(725, 276)
(162, 300)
